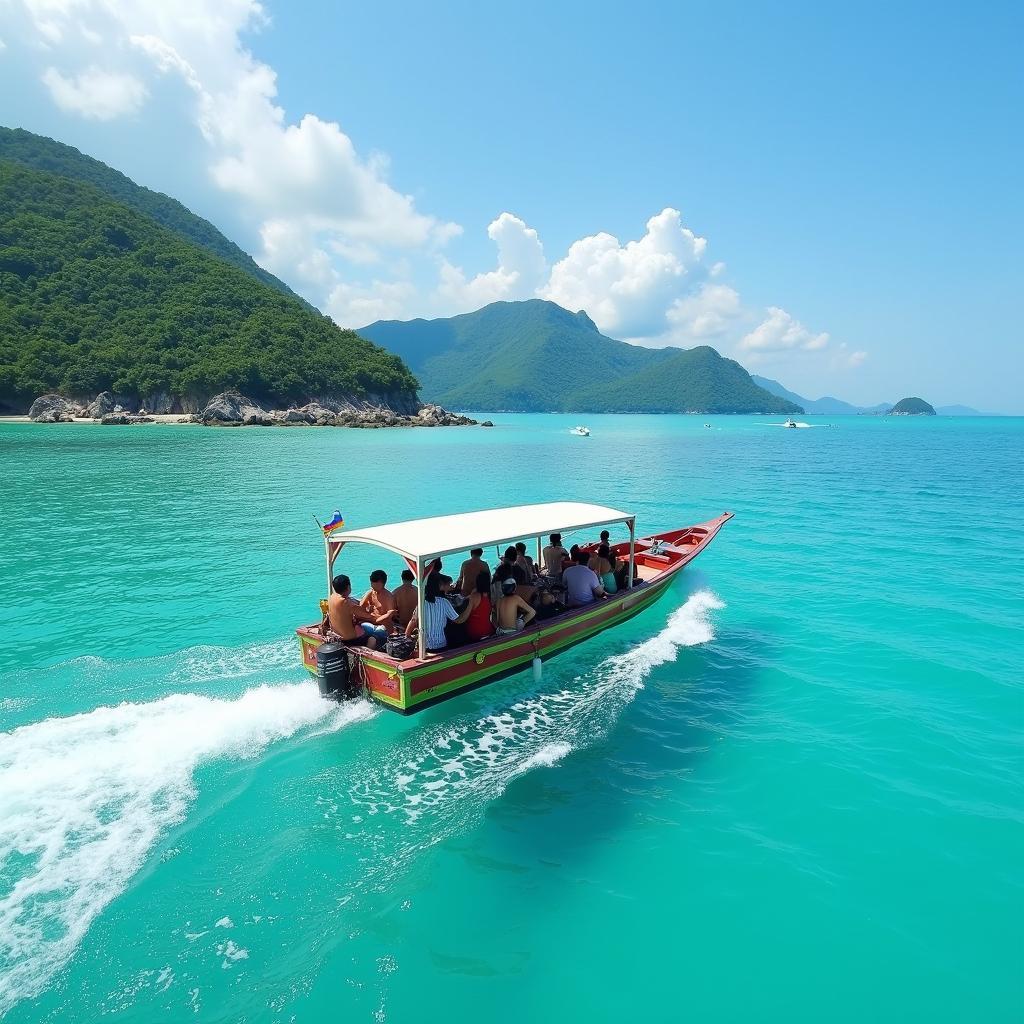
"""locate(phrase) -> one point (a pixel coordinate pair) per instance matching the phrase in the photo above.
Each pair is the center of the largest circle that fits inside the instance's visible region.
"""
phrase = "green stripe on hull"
(475, 679)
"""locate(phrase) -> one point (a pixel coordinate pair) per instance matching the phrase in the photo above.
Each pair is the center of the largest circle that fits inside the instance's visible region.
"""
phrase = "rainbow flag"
(336, 523)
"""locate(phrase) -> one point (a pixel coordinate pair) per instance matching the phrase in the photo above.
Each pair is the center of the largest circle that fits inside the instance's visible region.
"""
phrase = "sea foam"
(442, 774)
(83, 800)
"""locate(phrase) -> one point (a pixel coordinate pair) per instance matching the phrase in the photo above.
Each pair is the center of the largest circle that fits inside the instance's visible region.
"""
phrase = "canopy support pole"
(632, 552)
(420, 584)
(540, 554)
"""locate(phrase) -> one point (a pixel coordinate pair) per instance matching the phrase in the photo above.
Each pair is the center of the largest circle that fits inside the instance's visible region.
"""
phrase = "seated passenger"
(477, 613)
(525, 562)
(437, 613)
(581, 582)
(348, 620)
(527, 591)
(512, 613)
(548, 605)
(405, 599)
(553, 555)
(471, 569)
(602, 562)
(510, 557)
(379, 601)
(506, 569)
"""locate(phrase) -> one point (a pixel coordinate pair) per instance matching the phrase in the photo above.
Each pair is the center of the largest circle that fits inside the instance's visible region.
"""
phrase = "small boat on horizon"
(790, 423)
(580, 431)
(420, 678)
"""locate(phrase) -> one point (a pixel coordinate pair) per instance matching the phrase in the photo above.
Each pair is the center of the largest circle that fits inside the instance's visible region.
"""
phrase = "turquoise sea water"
(789, 791)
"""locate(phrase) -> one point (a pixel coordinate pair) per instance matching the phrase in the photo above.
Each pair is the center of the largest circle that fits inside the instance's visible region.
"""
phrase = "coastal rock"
(487, 423)
(54, 409)
(121, 418)
(435, 416)
(233, 408)
(317, 414)
(159, 404)
(292, 417)
(102, 405)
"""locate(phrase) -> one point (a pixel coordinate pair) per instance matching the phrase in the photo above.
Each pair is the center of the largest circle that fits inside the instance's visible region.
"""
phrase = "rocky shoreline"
(233, 409)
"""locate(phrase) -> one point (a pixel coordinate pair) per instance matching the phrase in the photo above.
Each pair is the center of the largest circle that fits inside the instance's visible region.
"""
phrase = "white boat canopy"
(420, 540)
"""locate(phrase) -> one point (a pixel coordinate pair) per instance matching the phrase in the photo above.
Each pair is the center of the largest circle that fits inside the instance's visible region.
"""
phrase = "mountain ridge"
(521, 357)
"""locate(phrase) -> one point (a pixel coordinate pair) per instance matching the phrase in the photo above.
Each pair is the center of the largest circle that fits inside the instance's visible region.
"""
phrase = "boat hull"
(411, 685)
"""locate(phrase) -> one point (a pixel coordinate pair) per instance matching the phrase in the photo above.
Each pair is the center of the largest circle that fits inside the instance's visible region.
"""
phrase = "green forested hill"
(96, 296)
(43, 154)
(535, 356)
(911, 407)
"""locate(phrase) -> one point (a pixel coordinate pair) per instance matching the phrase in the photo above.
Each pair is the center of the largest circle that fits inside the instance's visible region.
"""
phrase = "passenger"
(602, 562)
(511, 556)
(503, 572)
(477, 613)
(379, 601)
(471, 568)
(582, 583)
(553, 555)
(512, 614)
(348, 620)
(548, 605)
(437, 613)
(527, 591)
(525, 562)
(405, 599)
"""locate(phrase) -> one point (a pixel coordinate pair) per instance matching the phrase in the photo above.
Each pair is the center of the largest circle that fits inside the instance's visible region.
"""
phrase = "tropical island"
(98, 296)
(911, 407)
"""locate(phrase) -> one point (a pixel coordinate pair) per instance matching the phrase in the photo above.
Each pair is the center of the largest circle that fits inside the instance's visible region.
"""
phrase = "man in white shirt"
(553, 555)
(581, 582)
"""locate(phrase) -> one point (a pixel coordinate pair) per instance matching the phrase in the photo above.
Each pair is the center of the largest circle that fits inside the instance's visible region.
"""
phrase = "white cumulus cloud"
(95, 93)
(302, 182)
(520, 272)
(781, 332)
(628, 289)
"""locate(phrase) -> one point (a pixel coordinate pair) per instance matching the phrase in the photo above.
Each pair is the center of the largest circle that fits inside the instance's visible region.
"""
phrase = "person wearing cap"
(512, 614)
(553, 555)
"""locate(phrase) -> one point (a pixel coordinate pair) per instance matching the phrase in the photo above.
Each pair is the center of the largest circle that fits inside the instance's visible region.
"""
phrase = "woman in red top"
(478, 620)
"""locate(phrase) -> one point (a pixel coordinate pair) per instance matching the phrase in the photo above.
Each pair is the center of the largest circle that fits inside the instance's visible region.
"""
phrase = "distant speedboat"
(790, 423)
(580, 431)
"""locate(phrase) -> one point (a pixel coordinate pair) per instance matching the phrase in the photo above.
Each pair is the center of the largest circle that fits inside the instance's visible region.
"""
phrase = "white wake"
(84, 799)
(456, 769)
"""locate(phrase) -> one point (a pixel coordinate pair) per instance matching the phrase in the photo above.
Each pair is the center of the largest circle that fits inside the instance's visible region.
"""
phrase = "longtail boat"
(426, 678)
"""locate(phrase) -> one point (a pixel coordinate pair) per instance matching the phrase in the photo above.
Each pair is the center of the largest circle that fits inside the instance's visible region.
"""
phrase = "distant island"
(535, 356)
(106, 287)
(911, 407)
(829, 406)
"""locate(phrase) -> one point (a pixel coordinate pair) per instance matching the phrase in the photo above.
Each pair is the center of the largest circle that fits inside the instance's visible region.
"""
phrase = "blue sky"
(830, 194)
